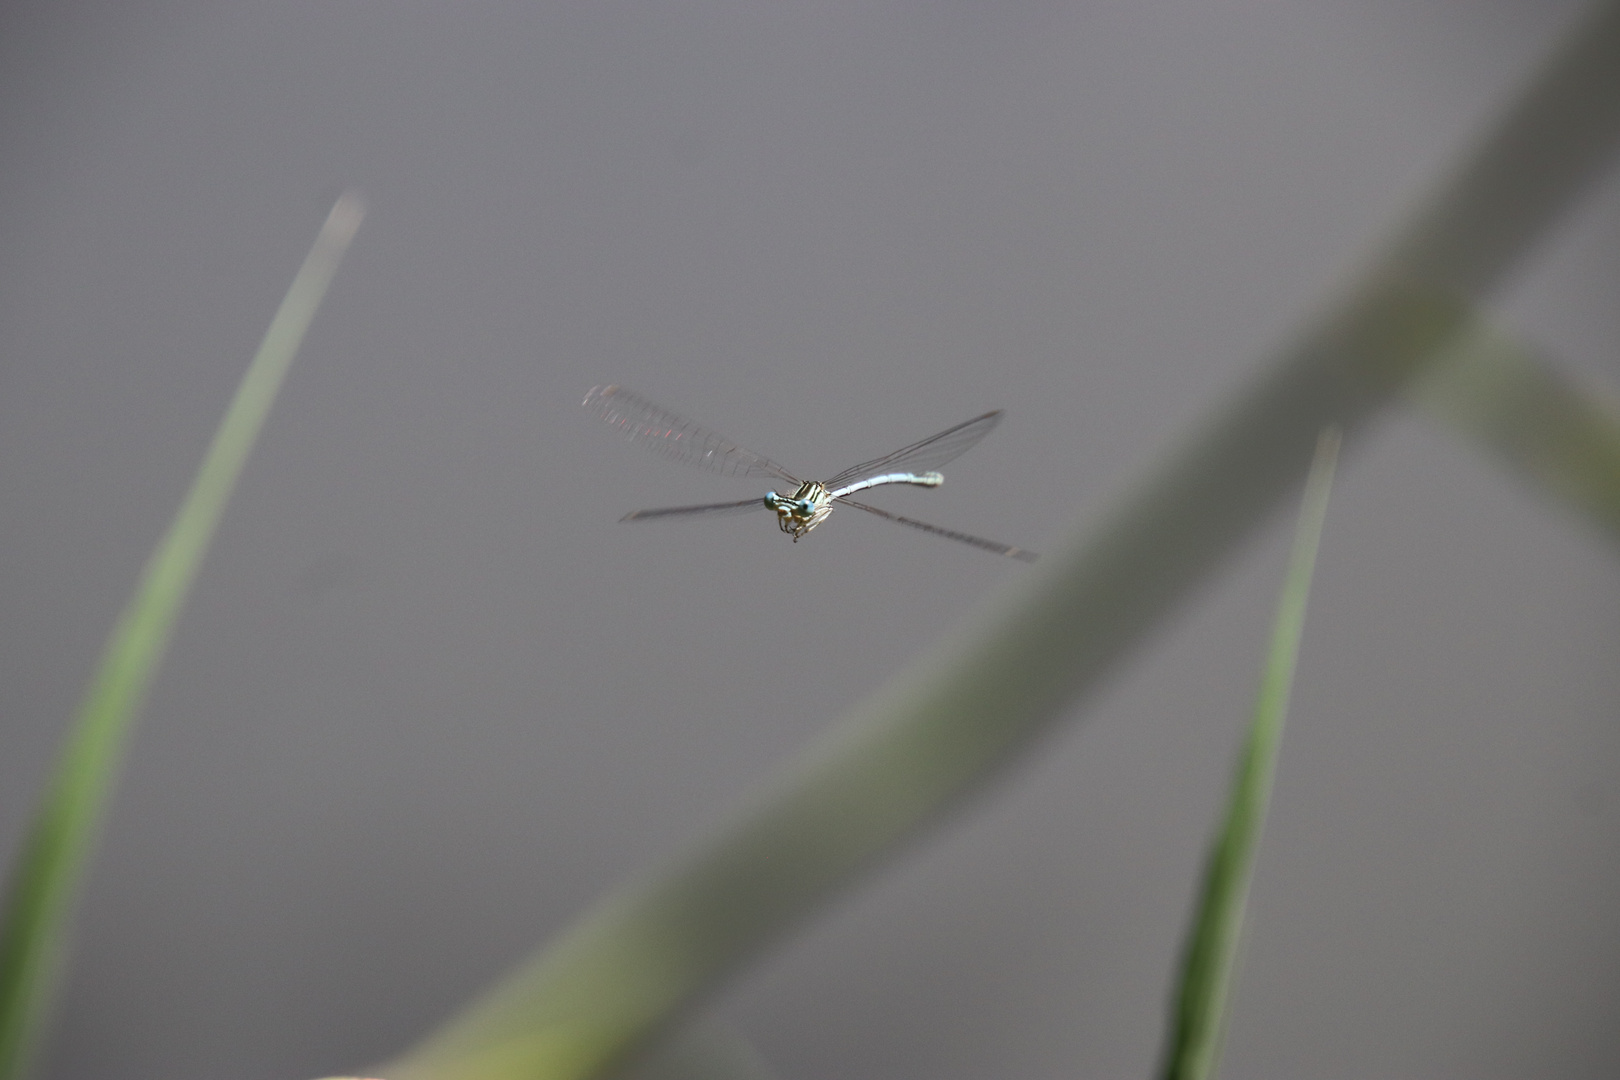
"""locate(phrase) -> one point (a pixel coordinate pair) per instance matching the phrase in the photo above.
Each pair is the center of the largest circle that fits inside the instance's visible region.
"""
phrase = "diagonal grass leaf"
(54, 853)
(1210, 959)
(1560, 436)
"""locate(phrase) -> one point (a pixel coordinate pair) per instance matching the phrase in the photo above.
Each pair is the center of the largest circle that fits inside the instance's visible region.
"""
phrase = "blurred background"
(430, 698)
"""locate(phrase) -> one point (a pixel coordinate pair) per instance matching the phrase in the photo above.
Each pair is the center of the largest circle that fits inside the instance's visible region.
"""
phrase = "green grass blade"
(704, 1051)
(1561, 437)
(1210, 958)
(630, 969)
(53, 856)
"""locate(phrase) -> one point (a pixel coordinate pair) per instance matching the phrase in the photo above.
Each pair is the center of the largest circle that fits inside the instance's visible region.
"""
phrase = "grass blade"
(704, 1051)
(627, 971)
(1559, 436)
(1210, 960)
(54, 853)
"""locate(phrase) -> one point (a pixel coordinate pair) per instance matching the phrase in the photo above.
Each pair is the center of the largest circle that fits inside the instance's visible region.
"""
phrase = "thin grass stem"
(51, 863)
(1209, 961)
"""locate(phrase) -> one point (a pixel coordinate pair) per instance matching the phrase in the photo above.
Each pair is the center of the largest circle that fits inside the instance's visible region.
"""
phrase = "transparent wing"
(949, 534)
(676, 437)
(694, 511)
(931, 453)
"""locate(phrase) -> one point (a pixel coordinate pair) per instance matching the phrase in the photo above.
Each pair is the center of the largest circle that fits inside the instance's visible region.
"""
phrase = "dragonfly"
(812, 501)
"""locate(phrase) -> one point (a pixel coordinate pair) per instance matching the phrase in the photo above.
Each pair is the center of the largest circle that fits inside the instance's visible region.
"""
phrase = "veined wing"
(949, 534)
(663, 432)
(707, 508)
(920, 457)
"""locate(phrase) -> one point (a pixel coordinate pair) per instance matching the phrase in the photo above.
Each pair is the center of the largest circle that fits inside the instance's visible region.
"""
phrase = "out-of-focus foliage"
(44, 880)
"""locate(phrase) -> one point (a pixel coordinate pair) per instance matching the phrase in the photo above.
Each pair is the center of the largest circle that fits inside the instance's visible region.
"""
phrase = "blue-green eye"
(806, 507)
(771, 499)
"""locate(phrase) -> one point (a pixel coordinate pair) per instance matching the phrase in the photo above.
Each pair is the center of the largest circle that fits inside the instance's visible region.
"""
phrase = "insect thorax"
(807, 508)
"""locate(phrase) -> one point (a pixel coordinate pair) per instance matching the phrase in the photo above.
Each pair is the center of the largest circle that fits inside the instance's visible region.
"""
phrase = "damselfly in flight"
(675, 437)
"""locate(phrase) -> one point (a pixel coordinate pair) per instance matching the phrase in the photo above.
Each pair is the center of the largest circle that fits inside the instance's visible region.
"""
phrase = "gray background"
(430, 699)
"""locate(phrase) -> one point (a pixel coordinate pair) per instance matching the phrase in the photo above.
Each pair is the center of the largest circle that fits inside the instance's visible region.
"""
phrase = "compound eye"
(771, 499)
(806, 508)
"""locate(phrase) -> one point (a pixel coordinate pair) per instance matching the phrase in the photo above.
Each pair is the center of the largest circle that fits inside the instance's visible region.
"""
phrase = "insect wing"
(673, 436)
(696, 511)
(949, 534)
(920, 457)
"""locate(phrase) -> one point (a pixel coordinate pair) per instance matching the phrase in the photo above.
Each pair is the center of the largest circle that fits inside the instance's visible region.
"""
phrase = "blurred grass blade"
(704, 1051)
(51, 861)
(1210, 961)
(940, 728)
(1561, 437)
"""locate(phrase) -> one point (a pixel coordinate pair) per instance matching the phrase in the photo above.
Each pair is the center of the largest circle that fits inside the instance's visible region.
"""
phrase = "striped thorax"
(810, 506)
